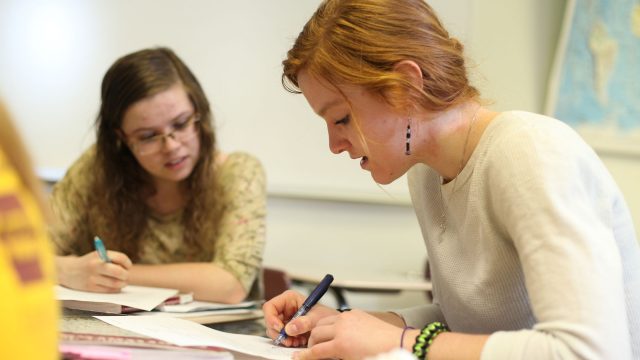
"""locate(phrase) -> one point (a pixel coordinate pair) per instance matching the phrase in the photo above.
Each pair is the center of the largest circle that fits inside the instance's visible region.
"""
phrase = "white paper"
(139, 297)
(187, 333)
(205, 306)
(193, 314)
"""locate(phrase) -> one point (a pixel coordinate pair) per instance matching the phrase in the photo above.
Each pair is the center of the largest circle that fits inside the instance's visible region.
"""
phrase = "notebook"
(130, 299)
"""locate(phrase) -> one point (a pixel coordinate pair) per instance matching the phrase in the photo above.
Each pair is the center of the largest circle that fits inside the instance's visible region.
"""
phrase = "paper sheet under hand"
(139, 297)
(187, 333)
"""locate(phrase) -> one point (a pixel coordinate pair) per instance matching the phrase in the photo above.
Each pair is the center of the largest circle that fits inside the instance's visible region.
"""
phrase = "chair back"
(275, 281)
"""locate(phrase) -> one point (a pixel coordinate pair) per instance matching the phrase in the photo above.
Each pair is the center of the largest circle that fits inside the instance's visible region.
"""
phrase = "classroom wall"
(351, 237)
(510, 42)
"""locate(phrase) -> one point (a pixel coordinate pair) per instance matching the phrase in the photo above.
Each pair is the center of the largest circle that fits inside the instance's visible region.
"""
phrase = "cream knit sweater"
(537, 246)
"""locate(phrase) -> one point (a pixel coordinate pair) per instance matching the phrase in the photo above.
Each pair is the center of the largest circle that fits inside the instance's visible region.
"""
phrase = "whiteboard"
(53, 55)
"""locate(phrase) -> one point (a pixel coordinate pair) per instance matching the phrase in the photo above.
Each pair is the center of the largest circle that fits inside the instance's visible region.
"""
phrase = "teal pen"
(102, 251)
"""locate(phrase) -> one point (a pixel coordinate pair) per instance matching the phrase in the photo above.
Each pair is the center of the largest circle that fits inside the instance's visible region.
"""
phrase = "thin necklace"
(443, 213)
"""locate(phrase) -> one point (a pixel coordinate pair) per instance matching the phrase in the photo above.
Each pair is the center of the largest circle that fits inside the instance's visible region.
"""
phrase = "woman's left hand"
(350, 335)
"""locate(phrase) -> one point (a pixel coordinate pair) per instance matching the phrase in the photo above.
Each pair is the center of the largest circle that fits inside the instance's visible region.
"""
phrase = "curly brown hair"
(359, 42)
(122, 183)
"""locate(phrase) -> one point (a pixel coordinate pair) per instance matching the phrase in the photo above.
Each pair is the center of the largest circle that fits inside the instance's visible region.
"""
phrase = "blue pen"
(313, 298)
(102, 251)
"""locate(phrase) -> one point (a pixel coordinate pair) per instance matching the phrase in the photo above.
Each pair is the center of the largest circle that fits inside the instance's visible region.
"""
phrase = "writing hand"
(283, 307)
(350, 335)
(90, 273)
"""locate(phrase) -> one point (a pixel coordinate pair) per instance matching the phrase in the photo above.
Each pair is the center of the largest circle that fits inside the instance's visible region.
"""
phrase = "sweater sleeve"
(240, 243)
(419, 316)
(554, 199)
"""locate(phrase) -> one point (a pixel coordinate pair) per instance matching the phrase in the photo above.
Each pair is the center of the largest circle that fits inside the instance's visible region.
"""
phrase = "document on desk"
(186, 333)
(197, 306)
(207, 312)
(139, 297)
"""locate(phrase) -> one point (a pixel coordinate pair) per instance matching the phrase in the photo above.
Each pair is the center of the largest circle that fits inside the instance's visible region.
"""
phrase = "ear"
(411, 71)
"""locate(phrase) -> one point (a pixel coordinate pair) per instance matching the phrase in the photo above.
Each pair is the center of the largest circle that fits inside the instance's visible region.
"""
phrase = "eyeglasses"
(181, 131)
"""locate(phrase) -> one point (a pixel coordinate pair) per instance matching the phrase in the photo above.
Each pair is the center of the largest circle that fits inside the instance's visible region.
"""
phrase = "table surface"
(83, 322)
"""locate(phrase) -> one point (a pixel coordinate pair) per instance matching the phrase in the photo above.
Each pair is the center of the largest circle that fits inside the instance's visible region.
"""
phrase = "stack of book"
(143, 300)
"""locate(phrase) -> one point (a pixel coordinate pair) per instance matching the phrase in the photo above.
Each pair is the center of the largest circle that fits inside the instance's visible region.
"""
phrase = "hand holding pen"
(281, 309)
(114, 272)
(97, 271)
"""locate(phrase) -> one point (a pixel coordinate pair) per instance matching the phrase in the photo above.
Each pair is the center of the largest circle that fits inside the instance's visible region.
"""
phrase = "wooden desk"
(360, 281)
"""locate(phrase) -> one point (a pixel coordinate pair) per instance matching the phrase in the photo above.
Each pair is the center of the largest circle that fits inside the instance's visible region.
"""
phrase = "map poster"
(595, 80)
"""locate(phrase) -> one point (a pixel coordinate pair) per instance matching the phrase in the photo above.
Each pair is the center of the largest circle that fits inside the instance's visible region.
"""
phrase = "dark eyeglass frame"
(180, 132)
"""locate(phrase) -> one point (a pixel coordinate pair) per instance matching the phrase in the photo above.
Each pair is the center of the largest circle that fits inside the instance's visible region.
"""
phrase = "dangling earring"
(407, 144)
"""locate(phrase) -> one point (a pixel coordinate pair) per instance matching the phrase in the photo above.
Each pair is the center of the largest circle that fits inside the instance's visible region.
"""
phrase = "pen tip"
(278, 341)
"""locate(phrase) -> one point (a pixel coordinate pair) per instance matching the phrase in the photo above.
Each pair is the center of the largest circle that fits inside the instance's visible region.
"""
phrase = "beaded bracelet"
(426, 338)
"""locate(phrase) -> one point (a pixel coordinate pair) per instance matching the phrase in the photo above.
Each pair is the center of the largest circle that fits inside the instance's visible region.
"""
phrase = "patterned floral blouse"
(237, 246)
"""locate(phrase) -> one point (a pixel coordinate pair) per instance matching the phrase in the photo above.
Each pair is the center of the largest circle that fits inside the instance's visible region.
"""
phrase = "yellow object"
(635, 20)
(28, 311)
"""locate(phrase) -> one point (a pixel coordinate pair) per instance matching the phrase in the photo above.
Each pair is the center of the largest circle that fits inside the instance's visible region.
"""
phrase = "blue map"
(599, 76)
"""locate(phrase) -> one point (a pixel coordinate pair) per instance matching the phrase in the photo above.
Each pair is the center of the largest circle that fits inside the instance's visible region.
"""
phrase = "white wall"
(347, 237)
(53, 55)
(235, 49)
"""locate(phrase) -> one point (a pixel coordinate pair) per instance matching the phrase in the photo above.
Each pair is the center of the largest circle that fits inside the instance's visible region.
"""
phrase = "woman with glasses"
(171, 209)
